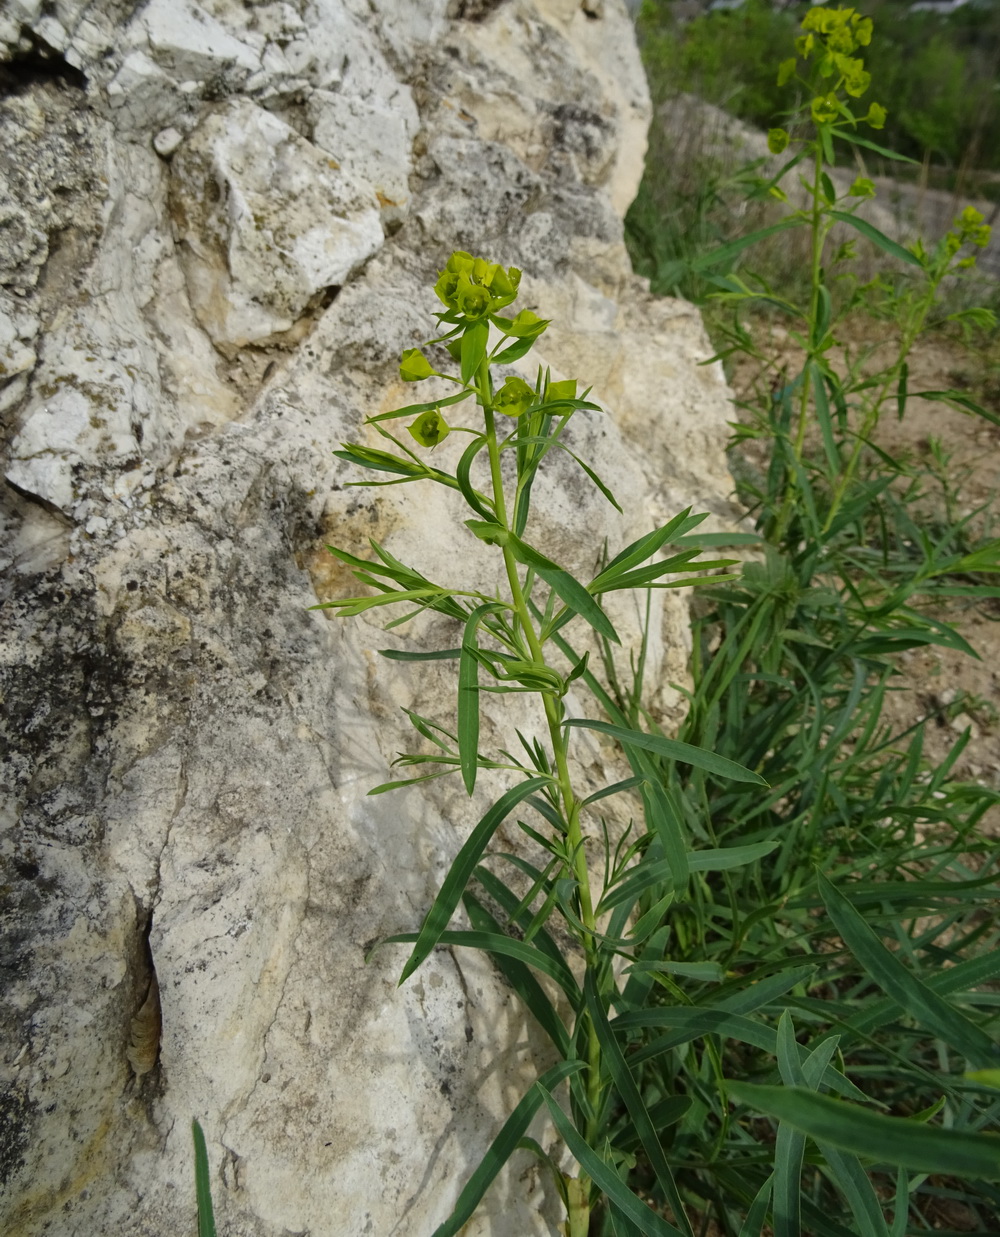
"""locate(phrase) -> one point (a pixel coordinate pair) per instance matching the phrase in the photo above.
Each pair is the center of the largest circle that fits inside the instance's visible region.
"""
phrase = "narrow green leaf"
(569, 590)
(902, 1204)
(514, 351)
(665, 820)
(754, 1222)
(710, 972)
(961, 401)
(852, 138)
(202, 1183)
(380, 461)
(870, 232)
(504, 1145)
(727, 857)
(468, 696)
(627, 1088)
(501, 945)
(437, 655)
(440, 913)
(884, 1140)
(673, 749)
(478, 502)
(823, 416)
(930, 1009)
(649, 1222)
(645, 547)
(519, 976)
(616, 788)
(723, 255)
(858, 1190)
(413, 410)
(474, 340)
(789, 1149)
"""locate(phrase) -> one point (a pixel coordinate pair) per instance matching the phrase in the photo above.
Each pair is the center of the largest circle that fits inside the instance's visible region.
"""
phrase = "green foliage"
(773, 996)
(514, 641)
(203, 1187)
(938, 71)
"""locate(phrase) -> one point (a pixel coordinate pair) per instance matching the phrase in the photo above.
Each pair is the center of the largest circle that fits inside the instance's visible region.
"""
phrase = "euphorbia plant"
(516, 640)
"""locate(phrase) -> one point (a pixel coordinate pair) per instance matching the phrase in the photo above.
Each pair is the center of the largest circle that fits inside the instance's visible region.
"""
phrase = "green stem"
(579, 1196)
(909, 337)
(817, 242)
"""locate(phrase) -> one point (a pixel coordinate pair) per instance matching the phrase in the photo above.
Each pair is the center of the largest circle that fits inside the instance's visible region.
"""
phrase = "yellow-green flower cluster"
(968, 229)
(473, 288)
(832, 35)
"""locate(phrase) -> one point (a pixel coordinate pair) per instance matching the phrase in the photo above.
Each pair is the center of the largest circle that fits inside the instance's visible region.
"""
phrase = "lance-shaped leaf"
(440, 913)
(672, 749)
(870, 232)
(503, 1146)
(203, 1188)
(884, 1140)
(566, 588)
(639, 551)
(468, 695)
(606, 1179)
(930, 1009)
(414, 410)
(628, 1089)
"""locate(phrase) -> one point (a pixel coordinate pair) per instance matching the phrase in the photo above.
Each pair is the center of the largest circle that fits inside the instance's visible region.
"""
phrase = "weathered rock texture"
(218, 226)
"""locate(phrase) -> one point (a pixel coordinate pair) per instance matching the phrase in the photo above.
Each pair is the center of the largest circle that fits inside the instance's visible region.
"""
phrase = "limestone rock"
(196, 308)
(265, 221)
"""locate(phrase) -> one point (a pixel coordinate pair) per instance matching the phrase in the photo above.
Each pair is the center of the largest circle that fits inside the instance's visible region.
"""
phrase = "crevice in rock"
(474, 10)
(143, 1050)
(40, 63)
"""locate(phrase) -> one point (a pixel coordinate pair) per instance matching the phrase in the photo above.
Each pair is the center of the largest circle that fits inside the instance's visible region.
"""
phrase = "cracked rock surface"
(219, 223)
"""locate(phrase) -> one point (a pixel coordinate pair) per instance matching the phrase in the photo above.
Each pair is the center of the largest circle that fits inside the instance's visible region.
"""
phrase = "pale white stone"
(53, 32)
(268, 220)
(167, 141)
(371, 140)
(191, 43)
(144, 91)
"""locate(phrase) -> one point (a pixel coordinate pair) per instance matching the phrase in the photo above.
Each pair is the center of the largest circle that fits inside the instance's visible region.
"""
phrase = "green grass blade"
(503, 1146)
(440, 913)
(884, 1140)
(607, 1180)
(626, 1086)
(673, 749)
(930, 1009)
(202, 1184)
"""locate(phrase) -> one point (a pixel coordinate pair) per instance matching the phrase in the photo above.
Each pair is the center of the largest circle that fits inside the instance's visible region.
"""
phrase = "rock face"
(218, 226)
